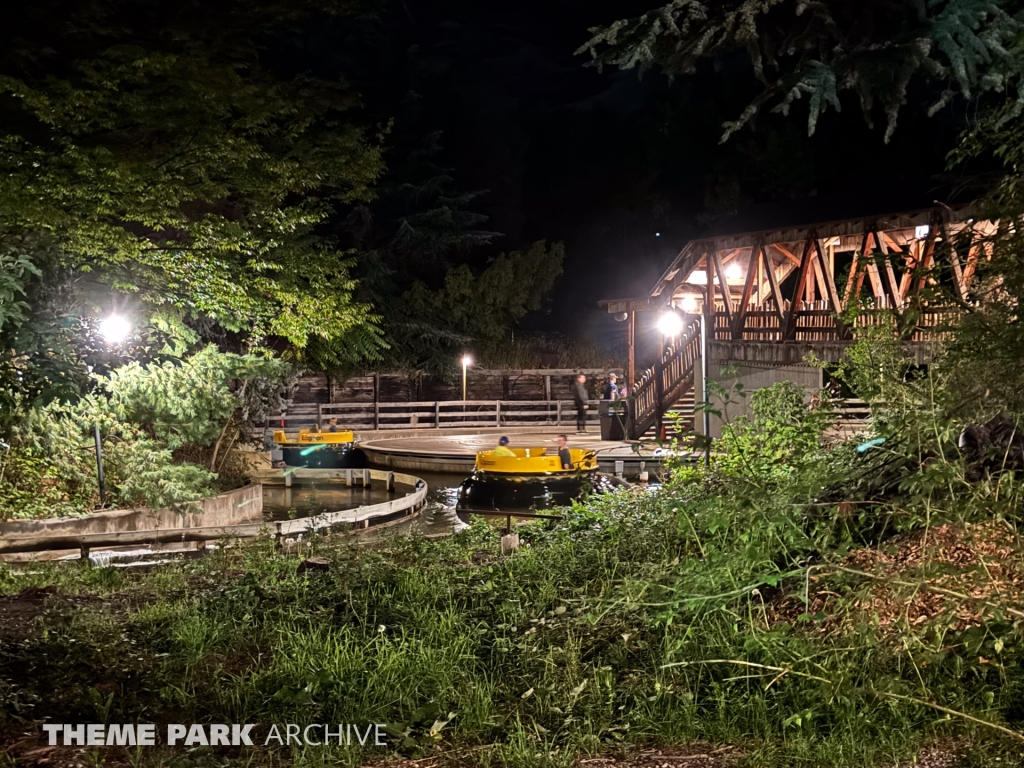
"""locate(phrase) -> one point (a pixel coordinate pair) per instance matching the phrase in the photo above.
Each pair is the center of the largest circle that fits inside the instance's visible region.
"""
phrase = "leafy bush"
(144, 413)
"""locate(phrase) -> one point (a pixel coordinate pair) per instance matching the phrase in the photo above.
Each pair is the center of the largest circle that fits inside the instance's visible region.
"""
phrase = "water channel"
(310, 499)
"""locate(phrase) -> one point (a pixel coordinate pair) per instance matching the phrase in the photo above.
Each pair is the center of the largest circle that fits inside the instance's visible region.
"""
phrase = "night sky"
(623, 170)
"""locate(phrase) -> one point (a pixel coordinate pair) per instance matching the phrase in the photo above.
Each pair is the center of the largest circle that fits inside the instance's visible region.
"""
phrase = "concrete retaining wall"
(752, 377)
(243, 505)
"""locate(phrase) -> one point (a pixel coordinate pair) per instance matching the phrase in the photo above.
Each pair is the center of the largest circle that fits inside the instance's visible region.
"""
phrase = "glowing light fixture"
(466, 362)
(698, 277)
(689, 304)
(670, 324)
(921, 231)
(733, 272)
(115, 329)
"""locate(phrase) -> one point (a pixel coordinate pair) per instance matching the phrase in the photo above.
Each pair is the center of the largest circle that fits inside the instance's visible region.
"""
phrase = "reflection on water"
(310, 499)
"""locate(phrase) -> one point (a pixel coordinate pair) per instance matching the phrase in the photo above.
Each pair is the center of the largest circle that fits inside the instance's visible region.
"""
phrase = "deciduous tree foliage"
(798, 48)
(483, 307)
(157, 147)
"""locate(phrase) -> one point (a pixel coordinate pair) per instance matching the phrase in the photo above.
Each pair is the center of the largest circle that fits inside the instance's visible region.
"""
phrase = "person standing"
(610, 390)
(579, 398)
(564, 457)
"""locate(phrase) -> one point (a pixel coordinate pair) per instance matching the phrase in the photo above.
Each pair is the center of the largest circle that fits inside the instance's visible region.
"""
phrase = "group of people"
(332, 426)
(564, 457)
(611, 390)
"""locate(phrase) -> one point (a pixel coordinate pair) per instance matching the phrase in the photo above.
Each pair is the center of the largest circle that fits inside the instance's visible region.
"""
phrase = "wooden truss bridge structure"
(774, 296)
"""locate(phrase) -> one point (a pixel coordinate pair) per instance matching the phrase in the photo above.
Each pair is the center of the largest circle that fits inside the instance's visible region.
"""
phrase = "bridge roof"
(897, 230)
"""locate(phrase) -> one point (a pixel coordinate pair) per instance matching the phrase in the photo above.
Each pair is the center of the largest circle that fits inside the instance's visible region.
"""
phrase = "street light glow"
(689, 305)
(115, 329)
(466, 361)
(733, 272)
(670, 324)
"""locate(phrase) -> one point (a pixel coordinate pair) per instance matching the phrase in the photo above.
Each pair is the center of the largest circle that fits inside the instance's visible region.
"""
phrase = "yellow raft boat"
(531, 479)
(321, 450)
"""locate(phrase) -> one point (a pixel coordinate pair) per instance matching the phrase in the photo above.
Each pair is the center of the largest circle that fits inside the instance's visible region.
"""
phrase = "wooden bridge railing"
(816, 321)
(661, 386)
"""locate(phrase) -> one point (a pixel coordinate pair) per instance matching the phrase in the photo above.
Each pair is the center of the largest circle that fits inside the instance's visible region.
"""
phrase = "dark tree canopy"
(152, 144)
(798, 48)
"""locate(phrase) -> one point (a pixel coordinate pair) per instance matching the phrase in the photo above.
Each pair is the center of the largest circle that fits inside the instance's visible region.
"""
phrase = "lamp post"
(114, 330)
(466, 362)
(704, 373)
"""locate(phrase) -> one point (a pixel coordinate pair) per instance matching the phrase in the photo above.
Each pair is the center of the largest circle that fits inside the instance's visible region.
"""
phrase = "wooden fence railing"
(454, 414)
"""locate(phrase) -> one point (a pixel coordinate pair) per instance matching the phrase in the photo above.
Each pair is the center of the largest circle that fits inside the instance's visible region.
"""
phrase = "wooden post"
(376, 415)
(558, 413)
(497, 413)
(437, 414)
(547, 387)
(631, 349)
(389, 482)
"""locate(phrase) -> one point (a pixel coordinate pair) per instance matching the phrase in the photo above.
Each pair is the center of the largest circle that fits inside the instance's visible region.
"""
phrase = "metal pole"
(463, 381)
(704, 378)
(99, 464)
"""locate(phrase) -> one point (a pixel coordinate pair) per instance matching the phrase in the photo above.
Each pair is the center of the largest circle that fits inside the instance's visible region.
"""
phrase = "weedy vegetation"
(804, 602)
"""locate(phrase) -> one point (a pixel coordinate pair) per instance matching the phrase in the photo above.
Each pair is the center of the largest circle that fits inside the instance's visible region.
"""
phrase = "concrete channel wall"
(237, 507)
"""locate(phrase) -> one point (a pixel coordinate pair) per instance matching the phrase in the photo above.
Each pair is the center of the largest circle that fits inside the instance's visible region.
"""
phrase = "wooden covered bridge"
(769, 298)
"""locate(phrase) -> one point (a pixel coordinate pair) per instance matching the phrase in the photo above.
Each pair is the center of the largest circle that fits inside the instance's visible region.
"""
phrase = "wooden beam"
(855, 268)
(888, 275)
(831, 293)
(926, 261)
(801, 280)
(910, 259)
(972, 266)
(780, 307)
(892, 243)
(876, 280)
(723, 285)
(954, 262)
(819, 277)
(787, 253)
(748, 288)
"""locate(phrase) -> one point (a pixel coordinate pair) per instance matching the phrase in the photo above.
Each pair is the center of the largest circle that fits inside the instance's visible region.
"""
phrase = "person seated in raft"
(333, 425)
(564, 457)
(502, 449)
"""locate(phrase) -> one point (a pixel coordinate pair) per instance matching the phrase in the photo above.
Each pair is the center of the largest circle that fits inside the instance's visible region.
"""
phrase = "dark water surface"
(310, 499)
